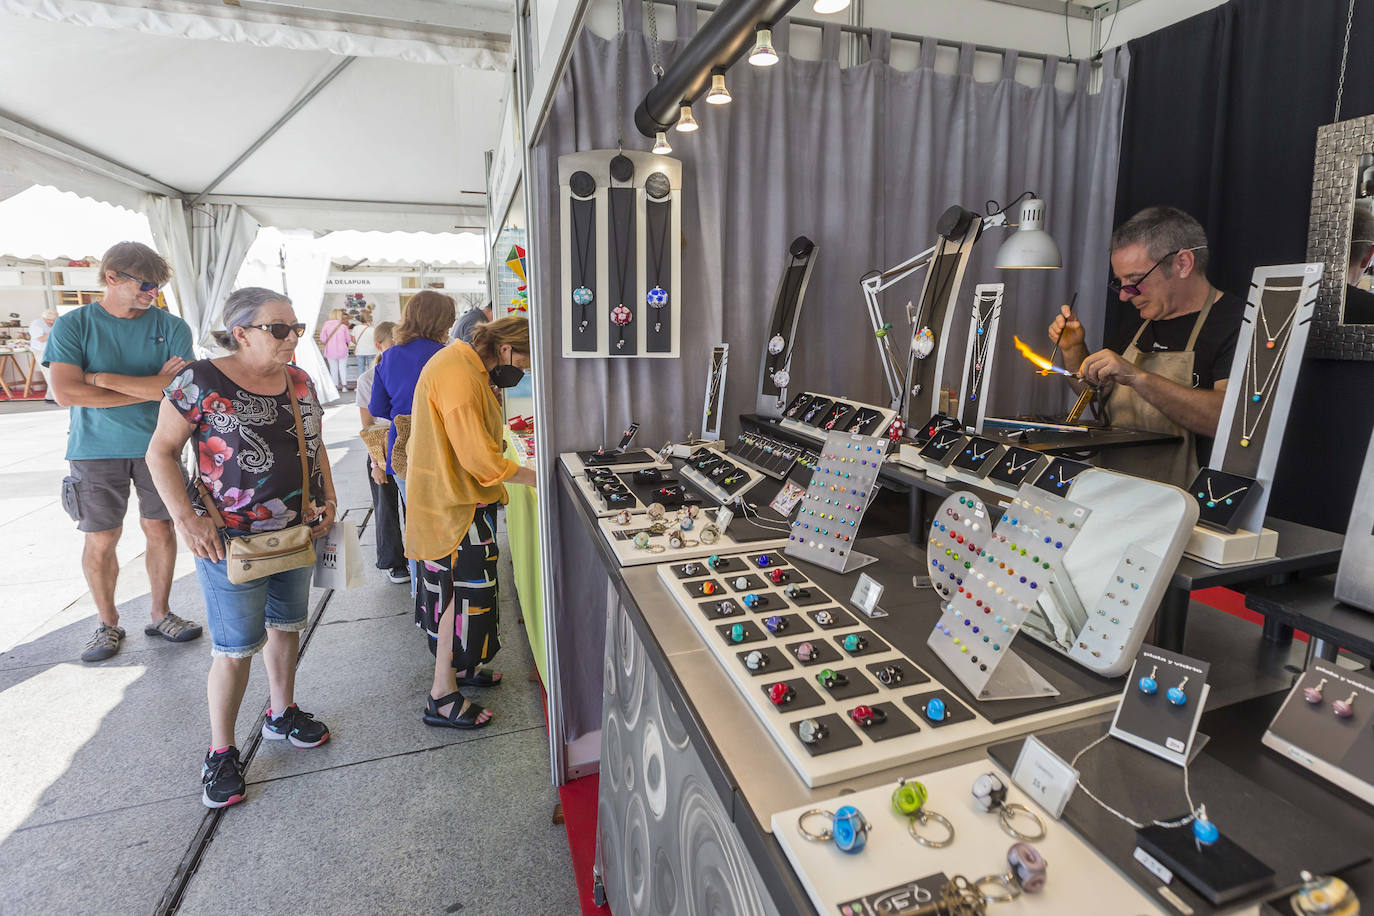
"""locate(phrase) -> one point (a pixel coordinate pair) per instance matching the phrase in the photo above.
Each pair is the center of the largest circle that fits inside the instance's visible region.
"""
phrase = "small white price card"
(867, 593)
(1044, 776)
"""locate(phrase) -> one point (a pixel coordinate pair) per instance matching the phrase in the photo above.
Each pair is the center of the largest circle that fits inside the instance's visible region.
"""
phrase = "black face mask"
(506, 375)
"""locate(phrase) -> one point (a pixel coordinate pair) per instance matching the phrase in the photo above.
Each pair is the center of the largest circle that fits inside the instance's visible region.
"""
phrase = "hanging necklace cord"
(621, 248)
(620, 40)
(659, 250)
(584, 245)
(1345, 55)
(1187, 793)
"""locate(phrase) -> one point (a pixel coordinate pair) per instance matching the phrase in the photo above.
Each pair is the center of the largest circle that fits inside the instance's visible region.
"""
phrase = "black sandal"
(481, 677)
(463, 714)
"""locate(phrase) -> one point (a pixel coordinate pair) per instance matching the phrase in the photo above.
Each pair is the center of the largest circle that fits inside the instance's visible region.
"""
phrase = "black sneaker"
(222, 776)
(300, 728)
(399, 574)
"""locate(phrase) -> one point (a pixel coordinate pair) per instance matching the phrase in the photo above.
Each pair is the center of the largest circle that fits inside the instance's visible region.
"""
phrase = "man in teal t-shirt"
(109, 361)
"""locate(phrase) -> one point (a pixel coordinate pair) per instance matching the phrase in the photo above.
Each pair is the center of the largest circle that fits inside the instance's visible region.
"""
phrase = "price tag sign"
(867, 593)
(1044, 776)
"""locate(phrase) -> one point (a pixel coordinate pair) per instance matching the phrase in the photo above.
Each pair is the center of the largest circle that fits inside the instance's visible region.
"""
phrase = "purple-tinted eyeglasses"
(1133, 289)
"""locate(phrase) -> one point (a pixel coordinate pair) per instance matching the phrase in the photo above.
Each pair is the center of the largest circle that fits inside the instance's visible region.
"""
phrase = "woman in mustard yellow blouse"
(458, 467)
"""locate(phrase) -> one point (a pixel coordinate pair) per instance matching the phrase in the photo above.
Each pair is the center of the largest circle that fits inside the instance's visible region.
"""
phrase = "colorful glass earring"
(1176, 694)
(1344, 709)
(1313, 695)
(1148, 684)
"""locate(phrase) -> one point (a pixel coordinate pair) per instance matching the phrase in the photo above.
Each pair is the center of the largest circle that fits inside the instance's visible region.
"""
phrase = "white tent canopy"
(121, 108)
(457, 249)
(46, 224)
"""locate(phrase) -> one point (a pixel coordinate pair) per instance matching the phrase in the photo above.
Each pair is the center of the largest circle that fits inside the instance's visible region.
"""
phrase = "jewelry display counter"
(690, 783)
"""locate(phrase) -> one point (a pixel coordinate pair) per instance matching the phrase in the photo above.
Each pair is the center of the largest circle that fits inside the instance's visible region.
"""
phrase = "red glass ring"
(780, 693)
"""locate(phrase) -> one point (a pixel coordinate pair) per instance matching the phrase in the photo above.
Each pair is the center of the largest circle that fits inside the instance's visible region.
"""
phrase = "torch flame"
(1045, 366)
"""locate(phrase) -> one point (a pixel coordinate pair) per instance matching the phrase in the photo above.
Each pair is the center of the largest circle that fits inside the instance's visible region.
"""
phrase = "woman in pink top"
(335, 338)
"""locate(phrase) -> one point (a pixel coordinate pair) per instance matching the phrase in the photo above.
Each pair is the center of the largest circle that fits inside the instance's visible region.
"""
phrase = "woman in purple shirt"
(422, 333)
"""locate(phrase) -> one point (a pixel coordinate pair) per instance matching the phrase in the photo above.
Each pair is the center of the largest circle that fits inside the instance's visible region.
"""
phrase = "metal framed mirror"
(1340, 233)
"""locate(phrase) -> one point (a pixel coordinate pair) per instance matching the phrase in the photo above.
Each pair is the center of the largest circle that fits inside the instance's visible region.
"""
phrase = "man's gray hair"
(1163, 230)
(241, 311)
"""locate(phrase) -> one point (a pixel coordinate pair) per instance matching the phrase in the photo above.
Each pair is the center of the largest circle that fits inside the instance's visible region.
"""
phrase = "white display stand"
(599, 338)
(979, 353)
(1136, 532)
(708, 486)
(1080, 882)
(1288, 290)
(1220, 549)
(966, 727)
(578, 471)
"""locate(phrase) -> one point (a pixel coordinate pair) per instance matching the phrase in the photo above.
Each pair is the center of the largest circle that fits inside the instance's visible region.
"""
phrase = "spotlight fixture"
(825, 7)
(661, 145)
(718, 94)
(685, 122)
(763, 54)
(1030, 246)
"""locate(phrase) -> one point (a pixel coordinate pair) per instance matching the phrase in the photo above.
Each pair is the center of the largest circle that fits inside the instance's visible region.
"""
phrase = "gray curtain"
(862, 160)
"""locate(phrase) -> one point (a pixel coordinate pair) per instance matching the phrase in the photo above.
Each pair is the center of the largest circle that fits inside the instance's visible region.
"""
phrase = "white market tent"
(214, 119)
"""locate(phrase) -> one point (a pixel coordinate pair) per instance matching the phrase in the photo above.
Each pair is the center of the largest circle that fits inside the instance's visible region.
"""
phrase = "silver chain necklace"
(981, 340)
(1213, 499)
(1261, 395)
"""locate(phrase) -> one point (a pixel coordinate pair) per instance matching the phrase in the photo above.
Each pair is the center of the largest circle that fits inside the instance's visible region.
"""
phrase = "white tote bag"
(339, 559)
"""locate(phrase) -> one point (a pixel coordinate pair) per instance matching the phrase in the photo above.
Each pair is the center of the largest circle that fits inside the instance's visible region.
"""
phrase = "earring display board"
(885, 875)
(1310, 731)
(1264, 374)
(816, 415)
(990, 582)
(621, 254)
(940, 291)
(712, 410)
(776, 367)
(1162, 704)
(1109, 581)
(833, 506)
(1355, 576)
(981, 348)
(829, 664)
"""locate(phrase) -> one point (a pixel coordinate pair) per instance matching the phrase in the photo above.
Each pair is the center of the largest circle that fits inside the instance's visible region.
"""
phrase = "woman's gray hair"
(241, 310)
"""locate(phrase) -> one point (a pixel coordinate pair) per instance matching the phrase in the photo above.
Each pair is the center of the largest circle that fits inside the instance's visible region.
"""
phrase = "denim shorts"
(239, 615)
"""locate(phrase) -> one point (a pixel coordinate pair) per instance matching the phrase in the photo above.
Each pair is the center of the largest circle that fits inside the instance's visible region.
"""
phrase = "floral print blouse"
(246, 447)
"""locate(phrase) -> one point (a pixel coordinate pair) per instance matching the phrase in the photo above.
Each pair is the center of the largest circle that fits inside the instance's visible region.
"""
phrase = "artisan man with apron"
(1170, 376)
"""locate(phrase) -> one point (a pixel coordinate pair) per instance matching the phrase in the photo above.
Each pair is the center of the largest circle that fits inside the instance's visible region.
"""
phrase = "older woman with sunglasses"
(248, 413)
(1167, 372)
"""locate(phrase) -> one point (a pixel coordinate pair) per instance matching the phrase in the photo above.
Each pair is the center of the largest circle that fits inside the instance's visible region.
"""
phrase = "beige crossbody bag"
(254, 556)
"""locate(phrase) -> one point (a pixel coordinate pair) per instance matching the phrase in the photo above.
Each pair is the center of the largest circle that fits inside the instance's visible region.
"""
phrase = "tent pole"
(280, 123)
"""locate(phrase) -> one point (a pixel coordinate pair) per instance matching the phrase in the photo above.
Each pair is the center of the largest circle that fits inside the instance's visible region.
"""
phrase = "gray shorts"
(96, 494)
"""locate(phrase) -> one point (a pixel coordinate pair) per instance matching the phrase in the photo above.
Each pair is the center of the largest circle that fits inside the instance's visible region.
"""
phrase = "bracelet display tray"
(900, 638)
(1279, 834)
(1079, 881)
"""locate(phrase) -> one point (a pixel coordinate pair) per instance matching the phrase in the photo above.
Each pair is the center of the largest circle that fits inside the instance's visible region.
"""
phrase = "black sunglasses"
(144, 286)
(280, 331)
(1133, 289)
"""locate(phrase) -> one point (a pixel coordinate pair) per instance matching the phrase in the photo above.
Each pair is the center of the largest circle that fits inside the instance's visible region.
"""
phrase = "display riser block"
(910, 455)
(1081, 882)
(868, 756)
(959, 475)
(627, 554)
(1217, 548)
(804, 429)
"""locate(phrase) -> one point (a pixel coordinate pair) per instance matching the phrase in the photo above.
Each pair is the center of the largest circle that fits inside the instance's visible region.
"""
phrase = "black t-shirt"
(1214, 349)
(1359, 306)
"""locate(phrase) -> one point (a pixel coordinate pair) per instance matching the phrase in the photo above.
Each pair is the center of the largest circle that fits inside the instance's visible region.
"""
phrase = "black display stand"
(1308, 732)
(937, 423)
(1058, 477)
(1152, 721)
(1018, 466)
(1222, 498)
(978, 456)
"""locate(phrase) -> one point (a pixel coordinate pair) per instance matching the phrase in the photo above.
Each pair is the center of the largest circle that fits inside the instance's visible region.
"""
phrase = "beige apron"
(1174, 463)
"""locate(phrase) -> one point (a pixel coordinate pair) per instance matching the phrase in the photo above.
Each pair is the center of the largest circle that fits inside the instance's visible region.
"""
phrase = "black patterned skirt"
(467, 578)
